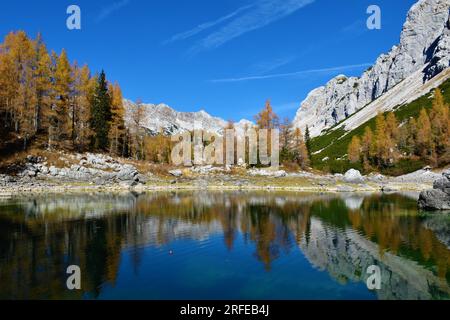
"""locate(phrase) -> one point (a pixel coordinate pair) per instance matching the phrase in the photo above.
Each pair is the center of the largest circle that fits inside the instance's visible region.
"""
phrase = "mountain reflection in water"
(222, 245)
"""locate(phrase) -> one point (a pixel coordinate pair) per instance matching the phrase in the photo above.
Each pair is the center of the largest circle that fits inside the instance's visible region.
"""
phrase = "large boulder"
(439, 197)
(353, 176)
(434, 200)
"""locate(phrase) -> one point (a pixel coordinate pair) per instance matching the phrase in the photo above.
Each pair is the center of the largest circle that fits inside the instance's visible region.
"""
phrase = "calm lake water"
(222, 245)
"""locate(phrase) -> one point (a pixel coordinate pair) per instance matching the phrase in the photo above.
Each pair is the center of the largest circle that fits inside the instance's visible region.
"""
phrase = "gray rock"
(176, 173)
(442, 184)
(439, 197)
(127, 174)
(44, 169)
(376, 177)
(446, 174)
(434, 200)
(31, 173)
(142, 178)
(53, 171)
(353, 176)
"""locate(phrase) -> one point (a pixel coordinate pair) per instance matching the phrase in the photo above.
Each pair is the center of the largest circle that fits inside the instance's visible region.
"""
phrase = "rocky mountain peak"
(424, 46)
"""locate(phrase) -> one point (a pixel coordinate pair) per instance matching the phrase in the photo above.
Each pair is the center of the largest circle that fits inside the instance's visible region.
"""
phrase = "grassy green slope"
(333, 144)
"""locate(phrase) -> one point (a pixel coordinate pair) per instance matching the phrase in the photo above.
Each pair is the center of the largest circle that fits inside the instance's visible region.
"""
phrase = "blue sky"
(224, 56)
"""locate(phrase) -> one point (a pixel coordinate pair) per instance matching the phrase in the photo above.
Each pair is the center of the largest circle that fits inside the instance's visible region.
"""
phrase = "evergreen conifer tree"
(101, 113)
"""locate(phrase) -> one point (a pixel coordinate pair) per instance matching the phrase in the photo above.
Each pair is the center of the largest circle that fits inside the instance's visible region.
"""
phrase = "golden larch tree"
(83, 88)
(117, 130)
(299, 149)
(367, 147)
(267, 118)
(440, 125)
(425, 143)
(354, 150)
(63, 81)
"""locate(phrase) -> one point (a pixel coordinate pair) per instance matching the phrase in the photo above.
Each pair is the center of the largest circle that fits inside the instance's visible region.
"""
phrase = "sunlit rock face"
(424, 47)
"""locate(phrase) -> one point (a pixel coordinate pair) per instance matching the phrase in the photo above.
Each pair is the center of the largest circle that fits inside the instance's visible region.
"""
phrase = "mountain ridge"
(161, 117)
(424, 50)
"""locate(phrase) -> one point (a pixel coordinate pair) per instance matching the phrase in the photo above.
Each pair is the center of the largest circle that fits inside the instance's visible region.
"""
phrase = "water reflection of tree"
(36, 248)
(34, 259)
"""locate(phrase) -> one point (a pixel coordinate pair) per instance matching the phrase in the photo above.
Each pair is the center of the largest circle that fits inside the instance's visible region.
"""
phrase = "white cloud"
(205, 26)
(297, 73)
(107, 11)
(243, 20)
(265, 13)
(268, 66)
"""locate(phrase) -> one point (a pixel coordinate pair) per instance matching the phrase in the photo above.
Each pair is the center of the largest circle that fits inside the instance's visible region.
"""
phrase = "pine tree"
(308, 140)
(101, 113)
(354, 150)
(285, 140)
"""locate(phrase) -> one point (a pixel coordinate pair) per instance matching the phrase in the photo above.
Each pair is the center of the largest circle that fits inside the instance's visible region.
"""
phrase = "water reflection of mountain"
(342, 234)
(346, 256)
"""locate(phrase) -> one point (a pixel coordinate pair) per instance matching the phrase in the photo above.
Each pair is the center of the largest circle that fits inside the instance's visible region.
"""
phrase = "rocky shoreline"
(101, 173)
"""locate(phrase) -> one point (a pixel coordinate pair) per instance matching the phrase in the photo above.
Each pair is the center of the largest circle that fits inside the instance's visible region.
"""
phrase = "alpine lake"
(223, 245)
